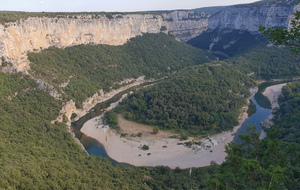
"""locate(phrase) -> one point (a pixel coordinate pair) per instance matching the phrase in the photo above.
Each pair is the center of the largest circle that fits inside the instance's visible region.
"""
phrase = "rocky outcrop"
(186, 25)
(37, 33)
(249, 17)
(34, 34)
(69, 107)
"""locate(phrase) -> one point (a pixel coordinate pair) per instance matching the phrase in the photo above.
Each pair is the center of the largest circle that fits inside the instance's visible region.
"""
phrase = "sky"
(110, 5)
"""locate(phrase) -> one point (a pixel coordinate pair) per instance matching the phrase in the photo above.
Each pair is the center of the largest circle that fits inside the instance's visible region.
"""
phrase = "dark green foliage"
(268, 63)
(89, 68)
(112, 119)
(35, 154)
(145, 147)
(256, 164)
(200, 99)
(155, 130)
(179, 179)
(283, 36)
(272, 163)
(231, 42)
(13, 16)
(163, 28)
(287, 117)
(251, 108)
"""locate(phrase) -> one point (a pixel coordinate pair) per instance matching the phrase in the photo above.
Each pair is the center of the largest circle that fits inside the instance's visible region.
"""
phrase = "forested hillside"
(202, 99)
(196, 96)
(268, 63)
(271, 163)
(226, 43)
(36, 154)
(88, 68)
(287, 120)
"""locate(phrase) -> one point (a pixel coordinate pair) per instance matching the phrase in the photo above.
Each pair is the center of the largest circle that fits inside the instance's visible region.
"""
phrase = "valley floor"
(163, 150)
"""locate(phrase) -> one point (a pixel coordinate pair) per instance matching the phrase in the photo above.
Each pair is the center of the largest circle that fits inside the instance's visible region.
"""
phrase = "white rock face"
(246, 17)
(186, 25)
(34, 34)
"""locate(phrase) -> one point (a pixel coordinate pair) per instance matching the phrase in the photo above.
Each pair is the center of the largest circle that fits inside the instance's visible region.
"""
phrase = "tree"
(289, 37)
(145, 147)
(155, 130)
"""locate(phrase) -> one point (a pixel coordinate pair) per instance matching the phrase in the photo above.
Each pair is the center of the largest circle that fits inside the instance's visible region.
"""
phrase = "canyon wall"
(186, 25)
(250, 16)
(35, 34)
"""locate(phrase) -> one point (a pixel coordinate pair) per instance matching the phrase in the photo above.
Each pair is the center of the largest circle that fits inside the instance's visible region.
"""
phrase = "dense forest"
(203, 99)
(229, 44)
(35, 154)
(266, 63)
(88, 68)
(196, 97)
(207, 99)
(287, 121)
(271, 163)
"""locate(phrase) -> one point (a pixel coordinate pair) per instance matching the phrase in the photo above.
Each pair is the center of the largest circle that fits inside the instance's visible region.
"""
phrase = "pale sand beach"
(163, 150)
(272, 93)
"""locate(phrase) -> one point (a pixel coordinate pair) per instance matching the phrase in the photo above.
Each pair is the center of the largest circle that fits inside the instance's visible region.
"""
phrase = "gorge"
(55, 67)
(36, 33)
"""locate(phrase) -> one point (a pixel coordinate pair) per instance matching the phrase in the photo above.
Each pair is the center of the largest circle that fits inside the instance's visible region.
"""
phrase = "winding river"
(262, 112)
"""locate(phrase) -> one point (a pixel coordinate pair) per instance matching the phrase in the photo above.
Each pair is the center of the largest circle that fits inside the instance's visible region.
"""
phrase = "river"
(262, 112)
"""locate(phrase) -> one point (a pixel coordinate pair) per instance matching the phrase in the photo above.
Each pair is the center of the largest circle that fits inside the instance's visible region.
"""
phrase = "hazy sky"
(110, 5)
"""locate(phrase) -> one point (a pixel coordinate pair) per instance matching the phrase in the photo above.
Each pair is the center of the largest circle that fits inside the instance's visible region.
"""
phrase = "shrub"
(145, 147)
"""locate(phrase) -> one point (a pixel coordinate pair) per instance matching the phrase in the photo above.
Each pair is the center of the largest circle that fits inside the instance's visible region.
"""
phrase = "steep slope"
(249, 17)
(202, 99)
(234, 29)
(186, 24)
(79, 72)
(36, 154)
(35, 33)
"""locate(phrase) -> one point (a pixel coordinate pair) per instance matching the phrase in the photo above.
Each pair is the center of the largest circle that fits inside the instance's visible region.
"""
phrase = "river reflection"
(93, 147)
(255, 119)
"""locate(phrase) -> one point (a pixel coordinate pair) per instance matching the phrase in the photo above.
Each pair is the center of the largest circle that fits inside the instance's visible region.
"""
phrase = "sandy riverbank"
(272, 93)
(162, 149)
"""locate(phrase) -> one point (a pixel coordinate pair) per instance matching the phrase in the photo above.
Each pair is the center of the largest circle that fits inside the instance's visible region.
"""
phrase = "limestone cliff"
(37, 33)
(185, 24)
(34, 34)
(249, 17)
(234, 29)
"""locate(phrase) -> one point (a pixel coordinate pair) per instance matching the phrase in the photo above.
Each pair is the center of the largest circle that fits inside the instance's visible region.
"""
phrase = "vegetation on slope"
(271, 163)
(268, 63)
(88, 68)
(13, 16)
(199, 100)
(227, 43)
(36, 154)
(287, 119)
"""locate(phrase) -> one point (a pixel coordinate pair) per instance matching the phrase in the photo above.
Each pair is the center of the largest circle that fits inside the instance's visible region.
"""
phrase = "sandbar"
(272, 93)
(163, 150)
